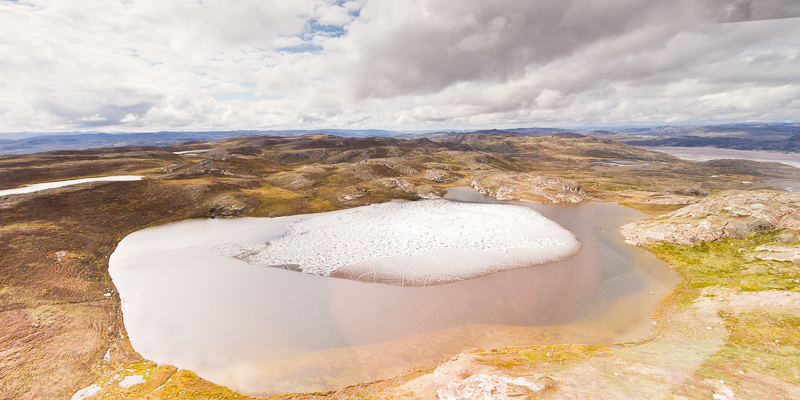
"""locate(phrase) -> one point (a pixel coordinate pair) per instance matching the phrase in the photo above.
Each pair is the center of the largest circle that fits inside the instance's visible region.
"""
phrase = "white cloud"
(130, 117)
(400, 64)
(333, 15)
(94, 118)
(550, 99)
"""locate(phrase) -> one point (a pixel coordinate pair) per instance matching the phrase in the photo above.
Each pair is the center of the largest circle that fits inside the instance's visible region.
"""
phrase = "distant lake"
(713, 153)
(262, 330)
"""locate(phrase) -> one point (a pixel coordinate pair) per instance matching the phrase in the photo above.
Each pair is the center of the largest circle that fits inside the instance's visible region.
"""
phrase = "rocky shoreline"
(735, 214)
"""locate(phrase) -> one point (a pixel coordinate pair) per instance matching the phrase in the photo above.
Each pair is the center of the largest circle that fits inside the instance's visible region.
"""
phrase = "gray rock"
(531, 188)
(729, 214)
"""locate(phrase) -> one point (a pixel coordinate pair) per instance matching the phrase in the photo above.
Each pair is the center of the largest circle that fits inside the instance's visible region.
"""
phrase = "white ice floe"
(86, 392)
(414, 243)
(51, 185)
(131, 380)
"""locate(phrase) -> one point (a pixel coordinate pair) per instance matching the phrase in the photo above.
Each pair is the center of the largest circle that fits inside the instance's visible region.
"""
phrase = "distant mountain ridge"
(38, 144)
(788, 145)
(745, 130)
(783, 137)
(766, 137)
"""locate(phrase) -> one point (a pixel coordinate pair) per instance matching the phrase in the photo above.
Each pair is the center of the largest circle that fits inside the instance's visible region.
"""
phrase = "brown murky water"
(264, 330)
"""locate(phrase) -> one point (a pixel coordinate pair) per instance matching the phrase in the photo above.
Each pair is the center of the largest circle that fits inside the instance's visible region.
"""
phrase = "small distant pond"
(262, 330)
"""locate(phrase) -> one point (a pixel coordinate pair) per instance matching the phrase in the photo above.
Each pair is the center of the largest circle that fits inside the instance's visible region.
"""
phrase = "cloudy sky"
(147, 65)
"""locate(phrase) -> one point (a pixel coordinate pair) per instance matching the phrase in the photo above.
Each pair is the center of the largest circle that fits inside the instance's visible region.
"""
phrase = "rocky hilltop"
(532, 188)
(735, 214)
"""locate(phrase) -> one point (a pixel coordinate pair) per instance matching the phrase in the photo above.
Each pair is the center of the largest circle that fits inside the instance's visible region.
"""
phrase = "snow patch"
(86, 392)
(724, 393)
(190, 151)
(131, 380)
(414, 243)
(51, 185)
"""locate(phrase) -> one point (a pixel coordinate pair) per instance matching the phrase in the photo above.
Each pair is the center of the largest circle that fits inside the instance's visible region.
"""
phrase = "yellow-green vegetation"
(763, 342)
(186, 385)
(654, 209)
(762, 345)
(725, 263)
(147, 380)
(544, 358)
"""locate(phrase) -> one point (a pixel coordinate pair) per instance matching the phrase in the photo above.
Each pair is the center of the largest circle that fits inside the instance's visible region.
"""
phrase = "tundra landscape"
(731, 324)
(399, 199)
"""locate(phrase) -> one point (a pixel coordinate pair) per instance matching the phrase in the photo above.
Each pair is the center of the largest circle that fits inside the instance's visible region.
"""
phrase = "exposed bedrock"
(531, 188)
(423, 191)
(728, 214)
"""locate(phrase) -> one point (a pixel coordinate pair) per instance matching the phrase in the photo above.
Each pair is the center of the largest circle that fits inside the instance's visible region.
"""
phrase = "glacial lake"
(261, 330)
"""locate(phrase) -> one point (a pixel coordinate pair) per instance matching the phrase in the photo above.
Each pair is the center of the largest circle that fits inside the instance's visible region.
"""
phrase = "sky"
(150, 65)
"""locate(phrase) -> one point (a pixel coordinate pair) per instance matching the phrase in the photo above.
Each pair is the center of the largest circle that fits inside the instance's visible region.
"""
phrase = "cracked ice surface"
(414, 243)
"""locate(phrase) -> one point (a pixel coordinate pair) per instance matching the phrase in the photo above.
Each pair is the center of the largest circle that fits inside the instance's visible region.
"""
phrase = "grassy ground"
(59, 311)
(725, 263)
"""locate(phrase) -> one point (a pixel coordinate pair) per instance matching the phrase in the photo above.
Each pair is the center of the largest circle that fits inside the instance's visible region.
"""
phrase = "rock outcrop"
(531, 188)
(777, 252)
(729, 214)
(422, 191)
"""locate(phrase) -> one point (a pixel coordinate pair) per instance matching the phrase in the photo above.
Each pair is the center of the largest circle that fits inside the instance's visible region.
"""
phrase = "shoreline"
(575, 330)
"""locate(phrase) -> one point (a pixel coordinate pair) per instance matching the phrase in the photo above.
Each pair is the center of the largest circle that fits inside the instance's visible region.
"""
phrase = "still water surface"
(264, 330)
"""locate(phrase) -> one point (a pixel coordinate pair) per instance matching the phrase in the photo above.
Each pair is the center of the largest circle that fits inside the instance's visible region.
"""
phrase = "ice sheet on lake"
(414, 243)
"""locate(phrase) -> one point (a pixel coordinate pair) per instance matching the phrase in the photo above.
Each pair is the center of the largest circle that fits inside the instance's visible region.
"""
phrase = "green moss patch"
(722, 263)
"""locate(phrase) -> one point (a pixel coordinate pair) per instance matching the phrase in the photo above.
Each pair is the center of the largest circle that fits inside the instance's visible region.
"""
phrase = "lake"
(713, 153)
(262, 330)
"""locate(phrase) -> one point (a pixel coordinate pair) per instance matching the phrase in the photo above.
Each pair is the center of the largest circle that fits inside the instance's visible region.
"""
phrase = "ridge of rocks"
(735, 214)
